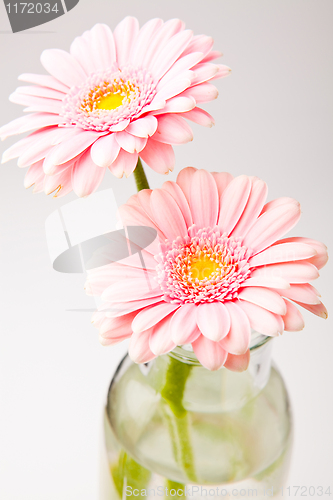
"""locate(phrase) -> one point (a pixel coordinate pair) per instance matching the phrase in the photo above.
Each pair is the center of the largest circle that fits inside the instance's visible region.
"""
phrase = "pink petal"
(81, 50)
(178, 195)
(113, 328)
(35, 175)
(263, 297)
(27, 123)
(284, 252)
(204, 72)
(160, 341)
(131, 306)
(233, 202)
(238, 339)
(223, 71)
(158, 156)
(210, 354)
(130, 143)
(213, 54)
(45, 81)
(261, 320)
(63, 67)
(131, 289)
(293, 320)
(40, 92)
(278, 202)
(200, 116)
(183, 325)
(125, 163)
(320, 259)
(204, 92)
(268, 281)
(184, 181)
(302, 293)
(133, 216)
(222, 180)
(170, 53)
(238, 363)
(120, 126)
(105, 150)
(124, 37)
(174, 88)
(177, 105)
(257, 198)
(181, 66)
(143, 127)
(167, 214)
(213, 320)
(103, 46)
(21, 146)
(86, 176)
(37, 103)
(298, 272)
(138, 349)
(204, 199)
(58, 182)
(317, 309)
(200, 43)
(172, 129)
(38, 150)
(144, 39)
(152, 315)
(69, 149)
(271, 225)
(158, 41)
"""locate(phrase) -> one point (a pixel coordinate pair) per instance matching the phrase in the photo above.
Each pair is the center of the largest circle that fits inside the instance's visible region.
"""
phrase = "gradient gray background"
(273, 120)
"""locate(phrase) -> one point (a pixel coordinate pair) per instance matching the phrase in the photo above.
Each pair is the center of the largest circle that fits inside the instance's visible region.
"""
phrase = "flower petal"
(293, 320)
(124, 36)
(158, 156)
(238, 339)
(302, 293)
(273, 224)
(210, 354)
(261, 320)
(125, 163)
(131, 289)
(204, 199)
(284, 252)
(183, 325)
(293, 272)
(138, 349)
(86, 176)
(170, 53)
(72, 147)
(143, 127)
(200, 116)
(105, 150)
(178, 195)
(152, 315)
(222, 180)
(130, 143)
(45, 81)
(238, 363)
(263, 297)
(173, 129)
(317, 309)
(184, 181)
(232, 202)
(256, 200)
(160, 341)
(167, 214)
(63, 67)
(213, 320)
(320, 259)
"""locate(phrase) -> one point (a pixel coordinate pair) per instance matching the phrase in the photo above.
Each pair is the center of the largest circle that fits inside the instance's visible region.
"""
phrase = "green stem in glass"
(173, 393)
(140, 176)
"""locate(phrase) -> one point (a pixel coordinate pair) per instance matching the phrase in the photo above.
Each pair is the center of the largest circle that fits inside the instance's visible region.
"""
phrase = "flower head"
(114, 97)
(217, 269)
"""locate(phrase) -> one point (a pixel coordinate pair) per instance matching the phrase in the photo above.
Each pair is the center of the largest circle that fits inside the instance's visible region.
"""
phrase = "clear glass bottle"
(221, 434)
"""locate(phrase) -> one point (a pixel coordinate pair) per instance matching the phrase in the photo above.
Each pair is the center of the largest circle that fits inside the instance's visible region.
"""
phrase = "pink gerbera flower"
(114, 97)
(216, 270)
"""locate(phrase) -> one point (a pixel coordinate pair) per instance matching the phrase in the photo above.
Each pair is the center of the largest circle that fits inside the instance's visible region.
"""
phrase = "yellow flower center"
(109, 96)
(203, 267)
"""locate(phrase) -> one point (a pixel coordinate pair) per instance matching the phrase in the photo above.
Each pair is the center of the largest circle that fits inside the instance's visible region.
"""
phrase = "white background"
(273, 120)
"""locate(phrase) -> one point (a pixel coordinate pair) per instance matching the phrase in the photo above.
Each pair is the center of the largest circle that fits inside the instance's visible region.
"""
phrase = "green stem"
(173, 393)
(140, 176)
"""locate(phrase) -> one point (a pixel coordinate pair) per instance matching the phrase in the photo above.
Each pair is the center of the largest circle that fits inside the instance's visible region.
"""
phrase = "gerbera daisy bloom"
(112, 98)
(217, 270)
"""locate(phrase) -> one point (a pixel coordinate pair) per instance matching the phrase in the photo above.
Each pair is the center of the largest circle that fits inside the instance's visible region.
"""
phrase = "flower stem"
(140, 176)
(173, 393)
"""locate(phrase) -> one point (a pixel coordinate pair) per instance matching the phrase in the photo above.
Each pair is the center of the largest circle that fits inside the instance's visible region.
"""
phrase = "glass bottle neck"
(225, 390)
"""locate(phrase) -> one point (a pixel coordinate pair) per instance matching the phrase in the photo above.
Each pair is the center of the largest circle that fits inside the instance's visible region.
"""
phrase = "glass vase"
(199, 433)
